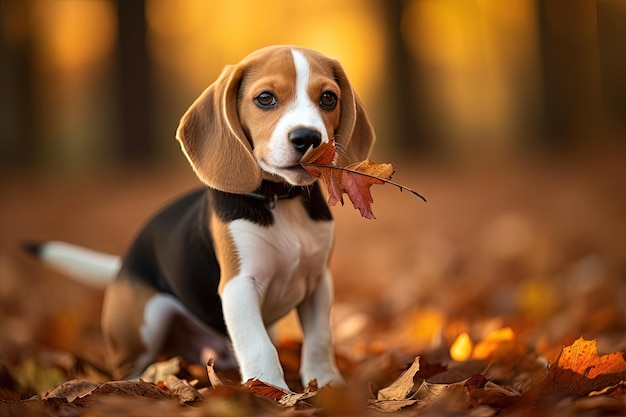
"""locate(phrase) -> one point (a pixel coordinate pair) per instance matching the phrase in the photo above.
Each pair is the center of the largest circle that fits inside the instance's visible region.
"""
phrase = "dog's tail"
(85, 265)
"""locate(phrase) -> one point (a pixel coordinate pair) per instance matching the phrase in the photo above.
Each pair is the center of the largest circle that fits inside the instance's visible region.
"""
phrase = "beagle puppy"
(209, 273)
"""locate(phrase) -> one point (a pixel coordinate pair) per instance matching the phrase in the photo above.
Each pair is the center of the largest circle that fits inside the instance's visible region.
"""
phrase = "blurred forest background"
(508, 115)
(88, 84)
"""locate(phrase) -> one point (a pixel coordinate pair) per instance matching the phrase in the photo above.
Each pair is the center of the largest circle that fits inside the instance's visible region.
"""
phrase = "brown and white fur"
(221, 264)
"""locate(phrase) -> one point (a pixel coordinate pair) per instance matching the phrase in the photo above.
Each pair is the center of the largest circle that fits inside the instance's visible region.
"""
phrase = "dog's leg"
(122, 318)
(256, 355)
(318, 357)
(168, 324)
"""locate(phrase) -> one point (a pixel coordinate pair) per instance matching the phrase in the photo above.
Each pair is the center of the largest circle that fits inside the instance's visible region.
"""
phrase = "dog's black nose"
(302, 139)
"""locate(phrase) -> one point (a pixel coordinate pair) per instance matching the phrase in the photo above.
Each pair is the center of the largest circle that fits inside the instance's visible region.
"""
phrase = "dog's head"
(260, 116)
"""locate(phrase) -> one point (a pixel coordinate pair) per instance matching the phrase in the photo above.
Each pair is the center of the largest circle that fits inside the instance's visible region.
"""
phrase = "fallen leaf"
(596, 406)
(579, 369)
(401, 387)
(38, 407)
(429, 393)
(475, 382)
(213, 378)
(70, 390)
(267, 390)
(461, 348)
(182, 389)
(158, 371)
(498, 343)
(611, 391)
(492, 394)
(125, 389)
(450, 397)
(131, 388)
(396, 396)
(291, 399)
(354, 179)
(390, 406)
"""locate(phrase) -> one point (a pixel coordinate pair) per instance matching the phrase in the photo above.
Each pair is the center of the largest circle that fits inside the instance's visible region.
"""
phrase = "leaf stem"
(384, 180)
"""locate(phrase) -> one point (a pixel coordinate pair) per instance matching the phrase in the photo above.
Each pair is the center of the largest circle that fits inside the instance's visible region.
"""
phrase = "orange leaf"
(461, 349)
(579, 370)
(357, 186)
(323, 154)
(332, 179)
(355, 179)
(317, 162)
(499, 343)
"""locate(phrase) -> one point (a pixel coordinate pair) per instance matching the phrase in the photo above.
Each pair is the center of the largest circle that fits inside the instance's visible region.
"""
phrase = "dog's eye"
(328, 101)
(265, 100)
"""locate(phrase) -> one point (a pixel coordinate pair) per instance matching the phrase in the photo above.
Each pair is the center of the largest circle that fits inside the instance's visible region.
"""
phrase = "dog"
(208, 274)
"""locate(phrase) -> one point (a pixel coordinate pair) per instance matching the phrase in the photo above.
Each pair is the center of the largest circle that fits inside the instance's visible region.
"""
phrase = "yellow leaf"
(461, 348)
(498, 339)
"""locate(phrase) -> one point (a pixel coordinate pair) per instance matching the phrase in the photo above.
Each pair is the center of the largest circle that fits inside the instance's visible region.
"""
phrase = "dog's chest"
(287, 259)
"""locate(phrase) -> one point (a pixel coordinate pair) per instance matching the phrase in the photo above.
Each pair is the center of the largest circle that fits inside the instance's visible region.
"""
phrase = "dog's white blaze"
(301, 112)
(305, 112)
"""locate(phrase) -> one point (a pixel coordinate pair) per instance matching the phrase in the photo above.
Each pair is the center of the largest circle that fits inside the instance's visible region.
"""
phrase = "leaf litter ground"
(504, 295)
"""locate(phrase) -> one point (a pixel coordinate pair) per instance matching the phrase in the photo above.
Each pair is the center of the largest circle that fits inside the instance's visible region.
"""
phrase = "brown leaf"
(390, 406)
(354, 179)
(291, 399)
(492, 394)
(617, 390)
(332, 179)
(401, 387)
(131, 388)
(280, 396)
(158, 371)
(323, 154)
(73, 389)
(579, 369)
(123, 389)
(267, 390)
(38, 407)
(475, 382)
(213, 378)
(318, 162)
(358, 186)
(180, 388)
(396, 396)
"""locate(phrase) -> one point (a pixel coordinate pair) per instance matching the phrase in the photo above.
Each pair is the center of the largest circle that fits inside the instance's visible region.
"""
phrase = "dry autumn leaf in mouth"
(354, 179)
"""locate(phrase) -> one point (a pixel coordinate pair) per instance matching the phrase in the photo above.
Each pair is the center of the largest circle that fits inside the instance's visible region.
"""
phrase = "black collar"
(270, 192)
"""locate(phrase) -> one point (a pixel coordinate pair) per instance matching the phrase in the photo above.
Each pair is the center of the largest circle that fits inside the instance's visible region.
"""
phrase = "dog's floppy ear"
(355, 133)
(213, 140)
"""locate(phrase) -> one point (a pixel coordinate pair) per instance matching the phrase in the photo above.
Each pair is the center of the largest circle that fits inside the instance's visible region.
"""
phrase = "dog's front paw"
(324, 375)
(272, 375)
